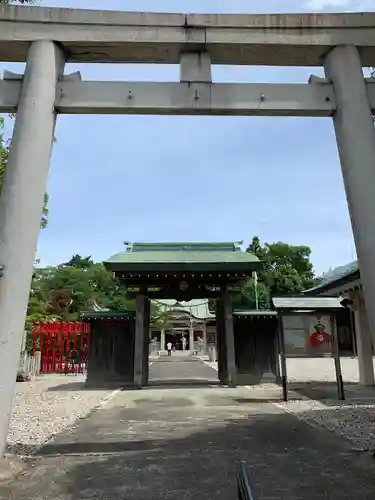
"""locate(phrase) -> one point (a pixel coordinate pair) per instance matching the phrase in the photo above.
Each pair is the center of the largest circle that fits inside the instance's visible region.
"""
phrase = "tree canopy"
(22, 2)
(286, 270)
(62, 292)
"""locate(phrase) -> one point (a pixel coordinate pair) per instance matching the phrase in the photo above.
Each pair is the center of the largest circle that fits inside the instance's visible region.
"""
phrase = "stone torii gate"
(47, 38)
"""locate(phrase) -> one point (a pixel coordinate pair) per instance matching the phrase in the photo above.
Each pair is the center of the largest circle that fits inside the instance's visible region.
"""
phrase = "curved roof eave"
(197, 308)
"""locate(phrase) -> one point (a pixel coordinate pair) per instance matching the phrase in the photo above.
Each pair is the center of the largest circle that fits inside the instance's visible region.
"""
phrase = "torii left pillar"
(21, 205)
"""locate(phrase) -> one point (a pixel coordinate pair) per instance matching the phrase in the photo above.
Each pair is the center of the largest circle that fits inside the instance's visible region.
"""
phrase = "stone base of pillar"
(364, 344)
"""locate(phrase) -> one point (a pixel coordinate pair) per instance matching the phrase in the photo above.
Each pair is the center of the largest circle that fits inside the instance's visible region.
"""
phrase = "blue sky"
(139, 178)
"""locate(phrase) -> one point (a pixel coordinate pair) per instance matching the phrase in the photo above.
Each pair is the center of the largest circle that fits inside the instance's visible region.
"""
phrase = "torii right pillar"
(355, 134)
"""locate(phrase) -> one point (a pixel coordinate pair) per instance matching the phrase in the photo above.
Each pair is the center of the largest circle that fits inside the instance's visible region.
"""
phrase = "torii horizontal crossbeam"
(225, 99)
(75, 97)
(252, 39)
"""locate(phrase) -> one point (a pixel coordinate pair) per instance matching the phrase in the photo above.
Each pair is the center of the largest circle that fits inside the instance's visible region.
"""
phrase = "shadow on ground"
(159, 384)
(313, 389)
(69, 386)
(183, 383)
(319, 390)
(124, 453)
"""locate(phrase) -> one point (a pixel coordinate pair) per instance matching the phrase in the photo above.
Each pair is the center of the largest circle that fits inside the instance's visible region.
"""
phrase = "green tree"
(160, 319)
(63, 292)
(245, 298)
(22, 2)
(4, 153)
(79, 262)
(107, 290)
(286, 269)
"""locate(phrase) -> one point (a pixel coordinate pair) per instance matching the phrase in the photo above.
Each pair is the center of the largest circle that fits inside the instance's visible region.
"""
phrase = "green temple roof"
(198, 308)
(205, 256)
(227, 246)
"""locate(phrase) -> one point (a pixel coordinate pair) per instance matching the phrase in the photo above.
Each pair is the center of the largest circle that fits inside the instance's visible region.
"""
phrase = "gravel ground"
(354, 422)
(45, 406)
(351, 419)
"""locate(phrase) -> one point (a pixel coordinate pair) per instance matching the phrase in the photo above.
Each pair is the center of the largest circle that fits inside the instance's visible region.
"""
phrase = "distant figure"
(74, 356)
(169, 348)
(184, 342)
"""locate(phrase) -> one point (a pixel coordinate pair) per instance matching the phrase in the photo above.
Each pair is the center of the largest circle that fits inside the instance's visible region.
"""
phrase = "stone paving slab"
(162, 444)
(184, 369)
(10, 467)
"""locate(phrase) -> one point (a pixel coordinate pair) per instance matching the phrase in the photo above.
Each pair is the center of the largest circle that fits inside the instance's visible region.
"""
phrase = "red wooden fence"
(64, 345)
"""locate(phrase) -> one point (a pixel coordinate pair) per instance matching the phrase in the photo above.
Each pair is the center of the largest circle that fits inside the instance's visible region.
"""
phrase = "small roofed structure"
(111, 348)
(293, 305)
(353, 324)
(308, 328)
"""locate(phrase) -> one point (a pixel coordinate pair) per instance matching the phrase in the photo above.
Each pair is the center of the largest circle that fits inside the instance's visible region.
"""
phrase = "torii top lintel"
(110, 36)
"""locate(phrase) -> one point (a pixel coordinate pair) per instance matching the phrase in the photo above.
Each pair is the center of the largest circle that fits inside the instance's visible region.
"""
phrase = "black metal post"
(336, 355)
(284, 379)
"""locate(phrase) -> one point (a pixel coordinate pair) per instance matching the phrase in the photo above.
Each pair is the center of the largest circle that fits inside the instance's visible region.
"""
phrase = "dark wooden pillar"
(146, 339)
(221, 344)
(139, 341)
(229, 336)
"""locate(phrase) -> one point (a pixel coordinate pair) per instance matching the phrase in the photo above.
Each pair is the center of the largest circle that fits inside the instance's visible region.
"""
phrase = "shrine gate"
(47, 38)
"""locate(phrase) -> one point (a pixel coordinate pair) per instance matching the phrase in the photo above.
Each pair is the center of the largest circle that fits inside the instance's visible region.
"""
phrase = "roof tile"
(306, 303)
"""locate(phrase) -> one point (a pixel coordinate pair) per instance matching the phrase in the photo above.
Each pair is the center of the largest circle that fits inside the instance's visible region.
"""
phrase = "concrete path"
(181, 370)
(183, 444)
